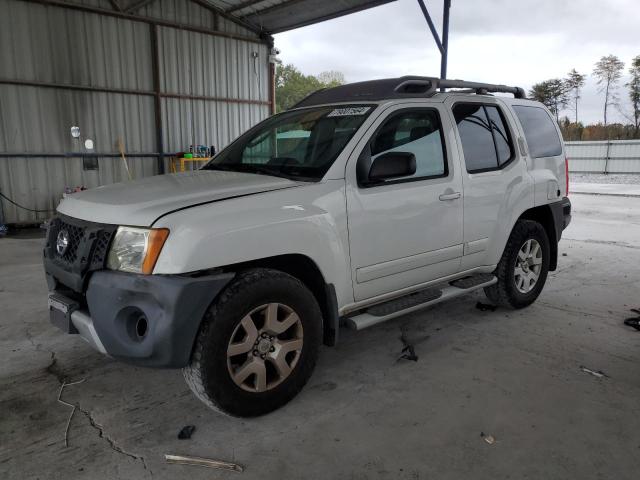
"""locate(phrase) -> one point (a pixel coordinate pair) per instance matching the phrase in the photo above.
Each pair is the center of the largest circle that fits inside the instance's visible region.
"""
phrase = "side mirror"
(392, 165)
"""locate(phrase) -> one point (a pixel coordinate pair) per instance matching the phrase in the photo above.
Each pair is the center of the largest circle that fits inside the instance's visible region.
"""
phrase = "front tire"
(523, 268)
(257, 345)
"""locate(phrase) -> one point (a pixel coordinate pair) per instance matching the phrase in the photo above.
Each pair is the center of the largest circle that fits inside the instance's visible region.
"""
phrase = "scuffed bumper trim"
(84, 324)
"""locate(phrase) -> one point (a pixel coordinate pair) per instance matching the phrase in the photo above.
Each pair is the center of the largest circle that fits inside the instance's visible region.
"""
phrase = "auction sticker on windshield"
(349, 111)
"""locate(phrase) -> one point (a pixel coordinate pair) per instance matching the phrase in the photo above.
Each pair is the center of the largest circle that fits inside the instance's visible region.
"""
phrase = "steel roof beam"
(137, 5)
(243, 5)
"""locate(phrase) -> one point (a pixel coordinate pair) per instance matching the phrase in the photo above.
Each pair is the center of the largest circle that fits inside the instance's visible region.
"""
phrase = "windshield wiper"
(265, 171)
(247, 168)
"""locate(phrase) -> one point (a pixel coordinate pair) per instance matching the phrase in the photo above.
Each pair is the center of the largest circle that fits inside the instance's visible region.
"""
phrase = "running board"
(418, 300)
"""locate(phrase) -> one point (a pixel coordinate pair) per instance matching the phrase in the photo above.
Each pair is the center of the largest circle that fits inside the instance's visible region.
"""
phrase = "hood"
(140, 203)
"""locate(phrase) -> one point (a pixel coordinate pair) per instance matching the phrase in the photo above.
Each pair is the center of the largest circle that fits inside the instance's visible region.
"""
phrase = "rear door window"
(500, 135)
(485, 138)
(539, 130)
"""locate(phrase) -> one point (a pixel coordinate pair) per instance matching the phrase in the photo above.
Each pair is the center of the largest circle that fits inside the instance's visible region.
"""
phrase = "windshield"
(300, 144)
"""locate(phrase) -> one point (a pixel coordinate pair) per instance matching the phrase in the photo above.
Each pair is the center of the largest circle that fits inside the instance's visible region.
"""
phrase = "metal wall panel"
(616, 156)
(198, 64)
(203, 122)
(201, 64)
(49, 44)
(189, 13)
(53, 45)
(38, 183)
(37, 120)
(179, 11)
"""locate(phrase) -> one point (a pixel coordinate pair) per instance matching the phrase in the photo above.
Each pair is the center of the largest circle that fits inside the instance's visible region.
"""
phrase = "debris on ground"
(203, 462)
(485, 307)
(634, 321)
(488, 438)
(409, 353)
(186, 432)
(408, 350)
(564, 254)
(73, 408)
(598, 373)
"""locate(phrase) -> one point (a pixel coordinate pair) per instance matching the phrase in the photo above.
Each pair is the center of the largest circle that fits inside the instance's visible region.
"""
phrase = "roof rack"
(482, 88)
(403, 87)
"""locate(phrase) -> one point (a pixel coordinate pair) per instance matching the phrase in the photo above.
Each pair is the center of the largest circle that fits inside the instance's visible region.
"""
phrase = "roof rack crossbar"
(518, 92)
(433, 84)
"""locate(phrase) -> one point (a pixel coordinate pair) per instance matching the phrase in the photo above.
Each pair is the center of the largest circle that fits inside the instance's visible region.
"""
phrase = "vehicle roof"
(402, 88)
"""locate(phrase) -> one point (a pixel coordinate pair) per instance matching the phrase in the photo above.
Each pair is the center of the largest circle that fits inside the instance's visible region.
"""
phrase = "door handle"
(450, 196)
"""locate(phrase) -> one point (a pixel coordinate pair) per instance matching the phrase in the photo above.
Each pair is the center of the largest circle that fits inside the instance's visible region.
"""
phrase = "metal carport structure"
(156, 74)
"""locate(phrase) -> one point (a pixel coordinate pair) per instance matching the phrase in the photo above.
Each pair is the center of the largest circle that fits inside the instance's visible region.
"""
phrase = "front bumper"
(118, 305)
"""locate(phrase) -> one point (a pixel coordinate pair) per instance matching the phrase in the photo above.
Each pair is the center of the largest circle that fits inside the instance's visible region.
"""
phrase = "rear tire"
(522, 271)
(257, 345)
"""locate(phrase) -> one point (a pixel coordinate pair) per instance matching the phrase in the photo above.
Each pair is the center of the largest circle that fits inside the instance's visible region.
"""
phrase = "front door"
(405, 231)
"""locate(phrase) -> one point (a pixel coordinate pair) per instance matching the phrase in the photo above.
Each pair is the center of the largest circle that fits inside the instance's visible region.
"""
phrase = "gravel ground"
(620, 178)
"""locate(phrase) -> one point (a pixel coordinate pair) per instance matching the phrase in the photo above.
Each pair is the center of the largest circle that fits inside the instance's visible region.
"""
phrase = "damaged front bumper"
(146, 320)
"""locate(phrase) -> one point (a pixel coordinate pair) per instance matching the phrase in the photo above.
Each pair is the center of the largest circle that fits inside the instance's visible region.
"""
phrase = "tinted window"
(500, 135)
(417, 132)
(540, 132)
(475, 134)
(486, 142)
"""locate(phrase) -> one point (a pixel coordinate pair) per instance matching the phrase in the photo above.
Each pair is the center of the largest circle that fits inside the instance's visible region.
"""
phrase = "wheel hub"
(265, 347)
(528, 266)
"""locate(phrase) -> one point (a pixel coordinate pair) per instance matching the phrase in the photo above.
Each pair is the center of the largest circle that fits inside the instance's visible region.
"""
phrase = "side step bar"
(418, 300)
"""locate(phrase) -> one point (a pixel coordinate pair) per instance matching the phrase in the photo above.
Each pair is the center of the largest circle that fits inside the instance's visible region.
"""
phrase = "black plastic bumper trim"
(561, 215)
(173, 307)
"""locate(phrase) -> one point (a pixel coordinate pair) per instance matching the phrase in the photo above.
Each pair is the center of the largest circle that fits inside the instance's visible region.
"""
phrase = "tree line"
(559, 94)
(292, 85)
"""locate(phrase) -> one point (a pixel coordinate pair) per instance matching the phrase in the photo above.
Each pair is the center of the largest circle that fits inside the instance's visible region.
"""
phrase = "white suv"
(362, 203)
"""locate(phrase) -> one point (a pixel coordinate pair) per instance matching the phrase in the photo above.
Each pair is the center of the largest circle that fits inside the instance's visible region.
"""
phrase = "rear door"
(406, 231)
(547, 160)
(496, 184)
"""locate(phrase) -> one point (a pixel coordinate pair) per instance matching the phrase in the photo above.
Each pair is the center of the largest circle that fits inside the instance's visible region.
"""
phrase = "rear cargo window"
(539, 130)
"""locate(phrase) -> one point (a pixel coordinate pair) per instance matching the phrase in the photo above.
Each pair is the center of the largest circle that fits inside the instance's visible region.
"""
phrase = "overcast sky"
(517, 42)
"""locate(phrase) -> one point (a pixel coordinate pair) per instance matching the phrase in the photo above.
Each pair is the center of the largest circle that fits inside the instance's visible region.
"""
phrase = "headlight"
(136, 249)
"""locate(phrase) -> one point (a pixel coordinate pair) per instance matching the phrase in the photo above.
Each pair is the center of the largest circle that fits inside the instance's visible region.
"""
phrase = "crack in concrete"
(112, 443)
(54, 369)
(29, 336)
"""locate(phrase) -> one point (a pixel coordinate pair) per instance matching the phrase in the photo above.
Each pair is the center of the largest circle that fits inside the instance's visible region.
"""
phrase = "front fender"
(309, 220)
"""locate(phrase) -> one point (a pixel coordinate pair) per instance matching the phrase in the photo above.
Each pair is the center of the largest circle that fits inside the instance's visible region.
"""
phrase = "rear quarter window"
(539, 130)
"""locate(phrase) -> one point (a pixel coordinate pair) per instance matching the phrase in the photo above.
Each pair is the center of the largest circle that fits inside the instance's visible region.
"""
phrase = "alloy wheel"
(265, 347)
(528, 266)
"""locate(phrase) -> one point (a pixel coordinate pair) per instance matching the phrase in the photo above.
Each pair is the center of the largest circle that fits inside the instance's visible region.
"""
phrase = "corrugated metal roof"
(275, 16)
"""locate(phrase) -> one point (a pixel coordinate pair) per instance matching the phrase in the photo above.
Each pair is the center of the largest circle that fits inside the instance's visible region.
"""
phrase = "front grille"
(99, 258)
(76, 247)
(75, 235)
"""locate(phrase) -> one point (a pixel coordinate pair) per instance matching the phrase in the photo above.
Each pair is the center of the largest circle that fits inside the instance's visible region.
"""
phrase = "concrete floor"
(514, 375)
